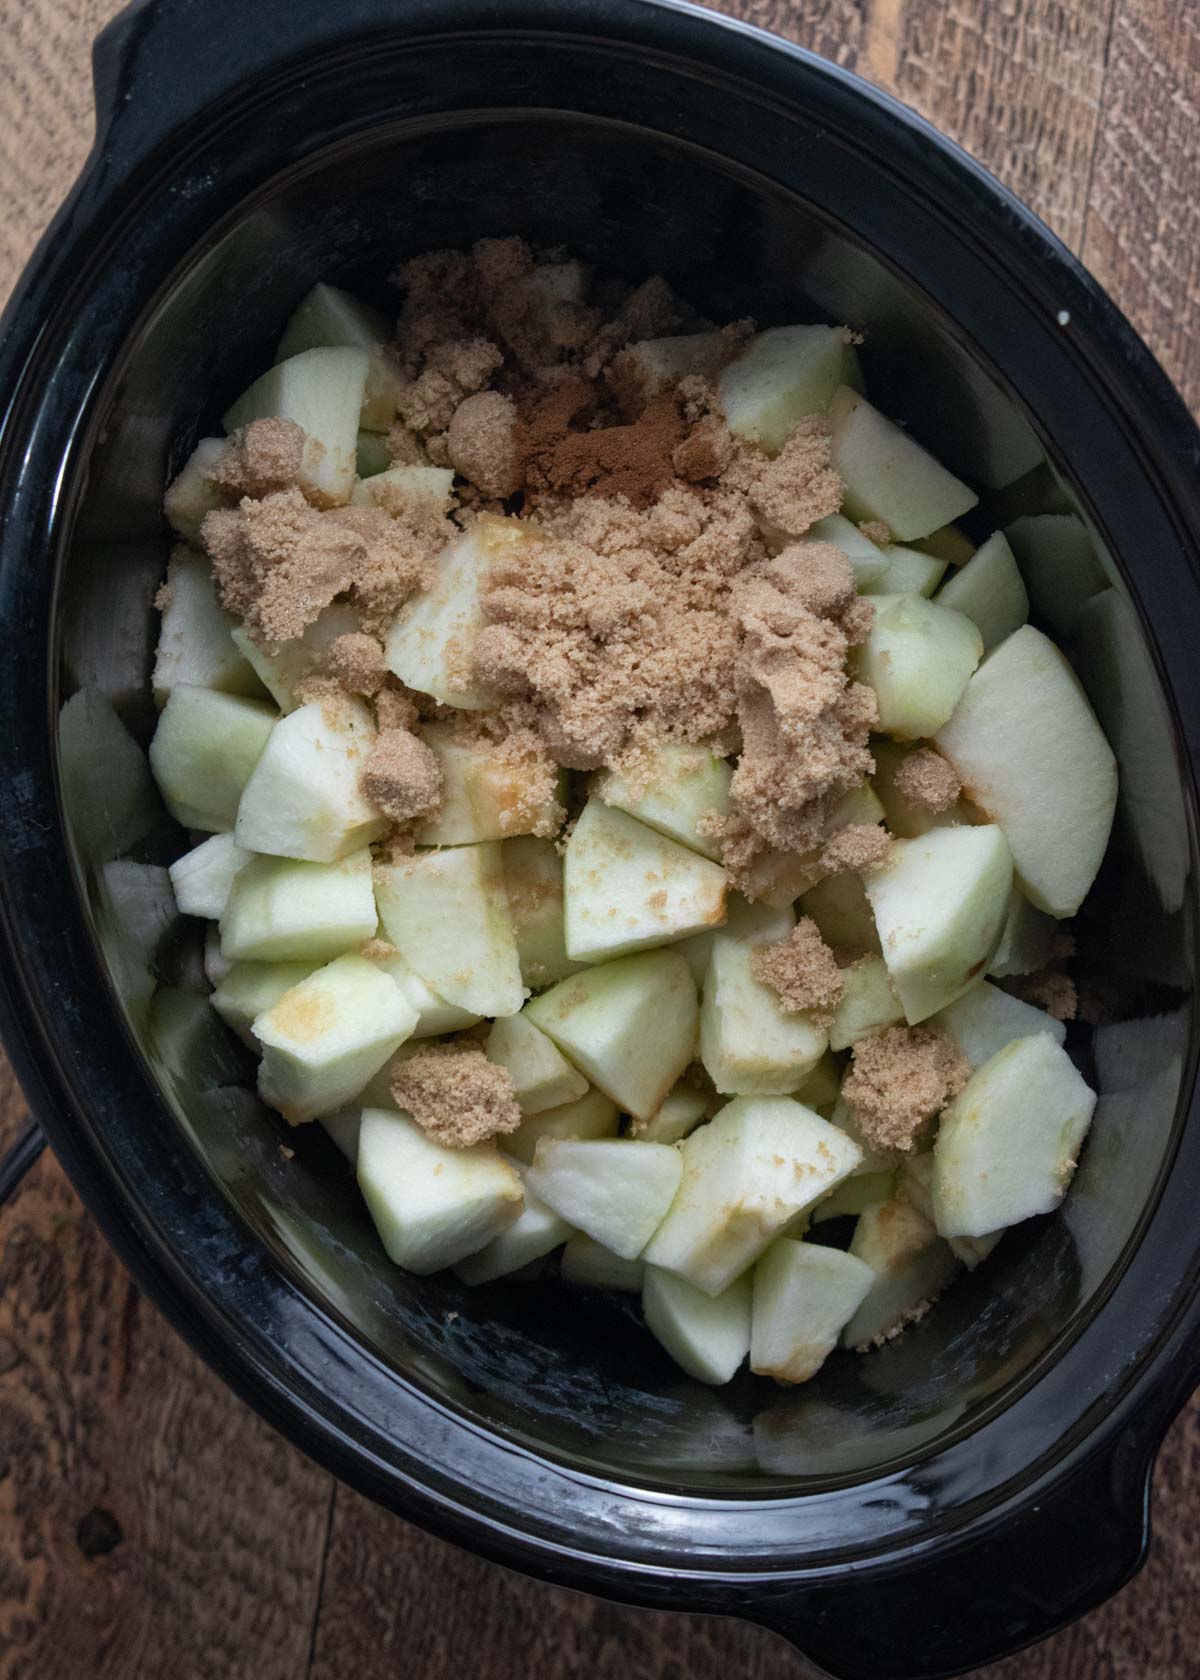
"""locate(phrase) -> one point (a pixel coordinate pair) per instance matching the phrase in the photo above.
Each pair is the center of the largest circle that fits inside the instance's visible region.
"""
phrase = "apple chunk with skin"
(746, 1175)
(431, 645)
(804, 1296)
(782, 375)
(887, 475)
(940, 902)
(203, 752)
(629, 1025)
(322, 391)
(1031, 754)
(541, 1075)
(627, 887)
(304, 798)
(285, 910)
(918, 658)
(615, 1189)
(707, 1336)
(680, 785)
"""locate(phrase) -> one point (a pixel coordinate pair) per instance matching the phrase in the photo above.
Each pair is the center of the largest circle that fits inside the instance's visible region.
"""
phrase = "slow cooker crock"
(980, 1481)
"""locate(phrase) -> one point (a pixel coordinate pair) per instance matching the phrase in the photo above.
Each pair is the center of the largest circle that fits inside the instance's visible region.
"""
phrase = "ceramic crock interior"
(579, 1377)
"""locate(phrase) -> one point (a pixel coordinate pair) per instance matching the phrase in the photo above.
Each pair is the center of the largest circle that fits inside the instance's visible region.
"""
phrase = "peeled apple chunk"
(538, 1230)
(483, 796)
(904, 817)
(911, 1263)
(985, 1019)
(682, 1111)
(328, 316)
(887, 475)
(405, 487)
(918, 658)
(542, 1077)
(989, 591)
(447, 913)
(195, 644)
(434, 1014)
(867, 559)
(707, 1336)
(615, 1189)
(432, 1206)
(746, 1175)
(203, 752)
(655, 364)
(627, 887)
(591, 1116)
(249, 989)
(1007, 1145)
(322, 391)
(629, 1025)
(782, 375)
(192, 494)
(804, 1296)
(868, 1003)
(748, 1044)
(533, 881)
(940, 902)
(907, 571)
(1030, 753)
(431, 645)
(203, 878)
(284, 910)
(681, 785)
(281, 668)
(323, 1040)
(304, 798)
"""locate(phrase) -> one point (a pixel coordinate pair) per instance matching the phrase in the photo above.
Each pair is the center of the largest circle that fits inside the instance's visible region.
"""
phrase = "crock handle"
(953, 1610)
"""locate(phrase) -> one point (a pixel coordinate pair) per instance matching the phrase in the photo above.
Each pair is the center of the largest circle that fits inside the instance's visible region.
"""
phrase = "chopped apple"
(746, 1175)
(192, 494)
(867, 558)
(911, 1263)
(328, 316)
(990, 591)
(985, 1019)
(782, 375)
(249, 989)
(323, 1040)
(434, 1014)
(888, 475)
(216, 967)
(654, 365)
(708, 1336)
(819, 1088)
(203, 753)
(682, 784)
(202, 878)
(599, 1021)
(447, 913)
(842, 911)
(918, 658)
(682, 1111)
(1027, 942)
(533, 881)
(1032, 756)
(284, 910)
(907, 571)
(868, 1003)
(432, 1206)
(591, 1116)
(343, 1127)
(587, 1264)
(304, 798)
(749, 1045)
(615, 1189)
(854, 1194)
(916, 1178)
(194, 643)
(904, 818)
(949, 543)
(875, 1158)
(804, 1296)
(322, 391)
(283, 667)
(627, 887)
(432, 643)
(484, 797)
(940, 902)
(757, 923)
(538, 1230)
(541, 1075)
(1059, 566)
(405, 487)
(1007, 1145)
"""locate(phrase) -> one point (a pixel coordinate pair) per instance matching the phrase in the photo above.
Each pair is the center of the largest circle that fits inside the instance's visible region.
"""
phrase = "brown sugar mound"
(1050, 989)
(259, 458)
(356, 663)
(801, 484)
(486, 443)
(705, 452)
(455, 1094)
(926, 779)
(854, 849)
(802, 970)
(876, 531)
(402, 776)
(899, 1079)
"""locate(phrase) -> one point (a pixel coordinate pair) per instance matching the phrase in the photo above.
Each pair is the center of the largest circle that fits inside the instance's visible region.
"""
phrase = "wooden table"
(120, 1555)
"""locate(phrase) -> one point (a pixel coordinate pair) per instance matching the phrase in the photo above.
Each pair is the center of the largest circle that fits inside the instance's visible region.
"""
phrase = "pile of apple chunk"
(610, 967)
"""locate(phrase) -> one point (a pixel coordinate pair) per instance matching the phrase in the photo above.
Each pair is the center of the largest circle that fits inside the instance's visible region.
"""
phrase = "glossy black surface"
(990, 1468)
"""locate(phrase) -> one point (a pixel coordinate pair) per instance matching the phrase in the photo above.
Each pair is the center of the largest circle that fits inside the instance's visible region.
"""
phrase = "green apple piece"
(343, 1127)
(538, 1230)
(431, 644)
(916, 1182)
(1007, 1145)
(782, 375)
(303, 798)
(249, 989)
(203, 753)
(868, 1003)
(216, 967)
(328, 316)
(804, 1296)
(905, 819)
(757, 923)
(447, 913)
(194, 643)
(282, 667)
(322, 391)
(985, 1019)
(587, 1264)
(533, 881)
(748, 1044)
(646, 369)
(616, 1189)
(918, 658)
(108, 791)
(323, 1040)
(683, 1109)
(406, 486)
(973, 1251)
(1059, 566)
(708, 1336)
(888, 475)
(434, 1014)
(599, 1020)
(867, 558)
(989, 591)
(483, 796)
(1031, 754)
(371, 455)
(940, 902)
(907, 571)
(202, 878)
(681, 785)
(911, 1263)
(192, 494)
(854, 1194)
(591, 1116)
(542, 1077)
(1027, 942)
(746, 1175)
(432, 1206)
(819, 1088)
(862, 805)
(627, 887)
(842, 911)
(285, 910)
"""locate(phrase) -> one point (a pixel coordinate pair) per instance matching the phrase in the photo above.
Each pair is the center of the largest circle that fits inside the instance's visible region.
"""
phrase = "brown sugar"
(356, 663)
(705, 452)
(876, 531)
(264, 456)
(1050, 989)
(898, 1079)
(486, 443)
(926, 779)
(854, 849)
(402, 776)
(395, 707)
(802, 970)
(800, 485)
(455, 1094)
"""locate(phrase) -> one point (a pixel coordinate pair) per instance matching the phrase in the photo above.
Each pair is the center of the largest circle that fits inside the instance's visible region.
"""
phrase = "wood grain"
(150, 1526)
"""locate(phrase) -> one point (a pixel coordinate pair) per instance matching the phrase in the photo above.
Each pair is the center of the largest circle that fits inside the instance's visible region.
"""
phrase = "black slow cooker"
(983, 1479)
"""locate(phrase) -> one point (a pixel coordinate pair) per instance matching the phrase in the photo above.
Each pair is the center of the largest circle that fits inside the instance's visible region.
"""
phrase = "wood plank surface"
(149, 1524)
